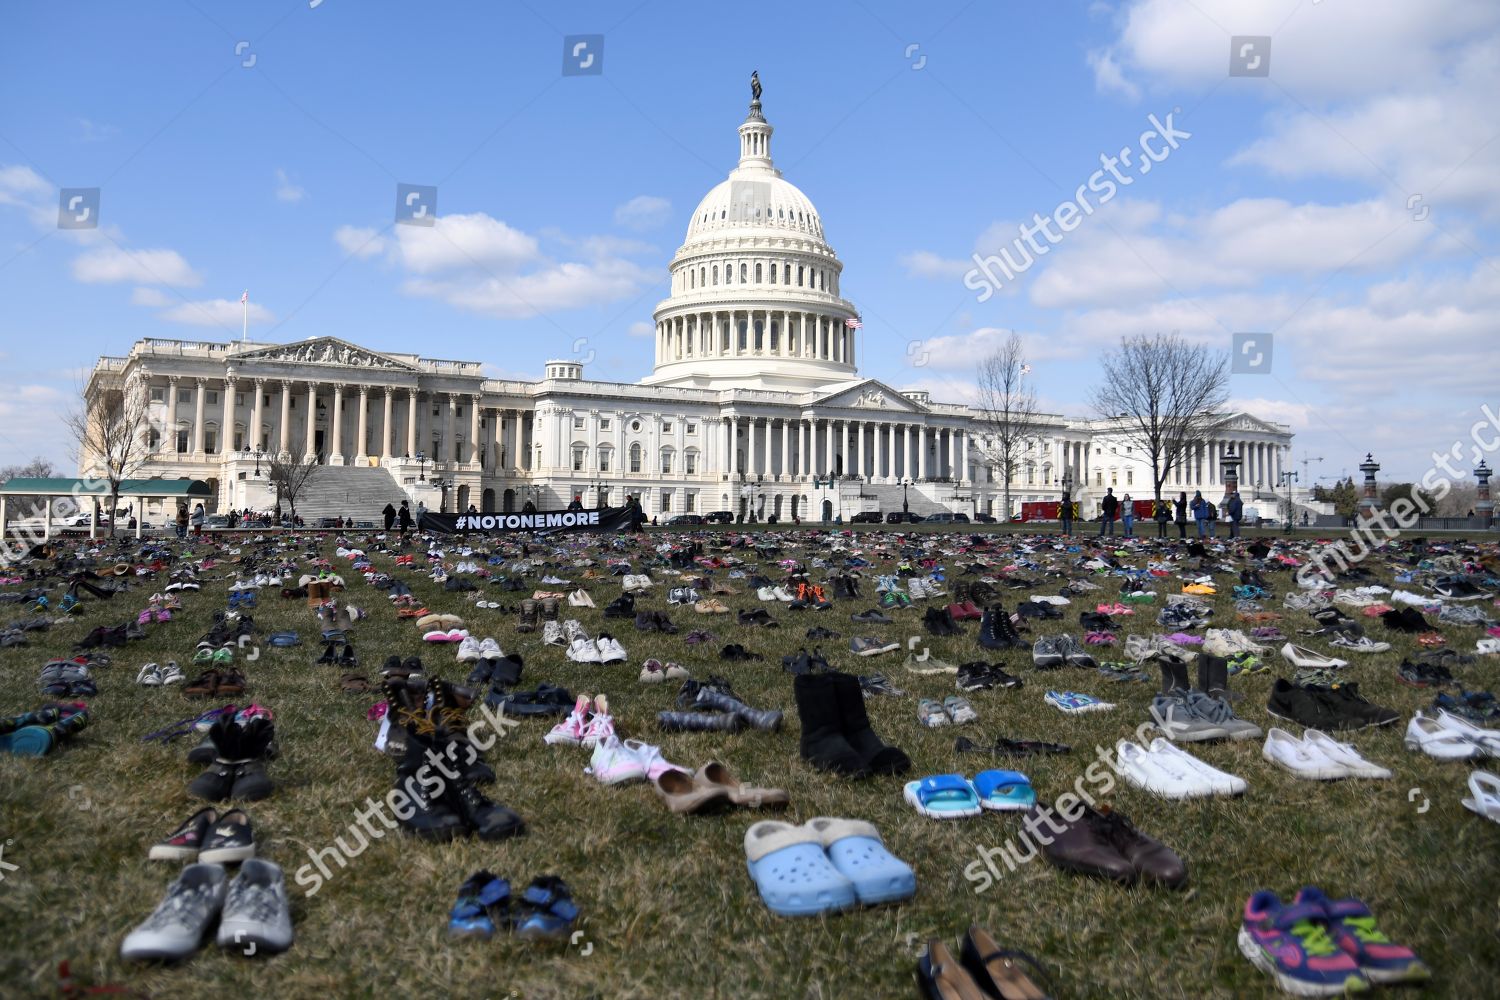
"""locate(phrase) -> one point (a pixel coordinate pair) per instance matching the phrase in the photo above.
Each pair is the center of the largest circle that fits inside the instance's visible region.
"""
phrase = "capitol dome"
(755, 297)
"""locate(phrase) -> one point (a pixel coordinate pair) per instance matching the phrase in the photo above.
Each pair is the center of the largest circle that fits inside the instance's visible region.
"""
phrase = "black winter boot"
(489, 820)
(699, 722)
(877, 757)
(765, 719)
(1174, 675)
(423, 785)
(823, 743)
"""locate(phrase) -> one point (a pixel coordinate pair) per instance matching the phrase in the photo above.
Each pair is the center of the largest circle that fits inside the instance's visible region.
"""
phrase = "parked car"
(216, 521)
(946, 518)
(327, 522)
(719, 517)
(985, 518)
(687, 519)
(866, 517)
(82, 521)
(903, 517)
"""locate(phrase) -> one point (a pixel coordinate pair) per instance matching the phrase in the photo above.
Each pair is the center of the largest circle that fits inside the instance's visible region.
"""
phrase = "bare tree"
(290, 474)
(111, 433)
(1163, 394)
(1007, 405)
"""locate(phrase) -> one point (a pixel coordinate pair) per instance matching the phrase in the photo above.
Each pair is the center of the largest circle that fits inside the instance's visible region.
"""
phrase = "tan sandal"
(683, 794)
(716, 775)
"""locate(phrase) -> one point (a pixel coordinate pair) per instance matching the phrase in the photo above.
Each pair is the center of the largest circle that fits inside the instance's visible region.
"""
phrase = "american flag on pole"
(853, 324)
(245, 296)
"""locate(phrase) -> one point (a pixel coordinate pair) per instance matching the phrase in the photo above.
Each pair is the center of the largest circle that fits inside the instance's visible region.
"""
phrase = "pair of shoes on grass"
(252, 914)
(824, 866)
(982, 969)
(545, 911)
(1316, 946)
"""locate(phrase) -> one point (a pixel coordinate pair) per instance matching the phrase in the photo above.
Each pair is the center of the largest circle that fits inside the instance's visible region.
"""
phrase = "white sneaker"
(552, 633)
(582, 650)
(1488, 740)
(1302, 759)
(610, 650)
(171, 673)
(1407, 597)
(782, 594)
(1140, 769)
(149, 675)
(574, 630)
(1343, 753)
(649, 756)
(766, 594)
(489, 649)
(468, 650)
(580, 599)
(1221, 782)
(613, 764)
(916, 588)
(176, 927)
(1359, 644)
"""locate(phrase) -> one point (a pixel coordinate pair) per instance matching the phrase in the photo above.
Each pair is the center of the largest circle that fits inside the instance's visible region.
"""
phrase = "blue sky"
(1346, 203)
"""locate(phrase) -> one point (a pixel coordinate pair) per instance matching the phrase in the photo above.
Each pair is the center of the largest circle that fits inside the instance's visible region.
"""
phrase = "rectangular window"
(578, 423)
(692, 501)
(690, 463)
(158, 394)
(666, 463)
(1129, 477)
(239, 399)
(666, 426)
(184, 395)
(210, 442)
(666, 501)
(604, 461)
(692, 428)
(265, 400)
(604, 423)
(182, 442)
(213, 397)
(239, 440)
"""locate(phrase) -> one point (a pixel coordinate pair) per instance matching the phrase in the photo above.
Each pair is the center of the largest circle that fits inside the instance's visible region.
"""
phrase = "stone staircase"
(348, 491)
(888, 498)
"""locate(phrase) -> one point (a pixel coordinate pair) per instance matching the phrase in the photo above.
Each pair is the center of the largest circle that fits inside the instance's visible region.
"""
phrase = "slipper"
(683, 794)
(714, 775)
(943, 796)
(1004, 791)
(854, 847)
(1011, 748)
(1485, 788)
(794, 875)
(354, 684)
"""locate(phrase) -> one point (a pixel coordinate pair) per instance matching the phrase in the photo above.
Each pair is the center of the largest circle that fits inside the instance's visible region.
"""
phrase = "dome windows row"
(782, 273)
(797, 217)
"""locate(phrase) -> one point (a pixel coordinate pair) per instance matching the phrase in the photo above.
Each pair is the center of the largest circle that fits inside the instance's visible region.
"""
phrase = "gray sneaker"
(1178, 722)
(1048, 652)
(1216, 711)
(1075, 653)
(256, 915)
(863, 645)
(176, 927)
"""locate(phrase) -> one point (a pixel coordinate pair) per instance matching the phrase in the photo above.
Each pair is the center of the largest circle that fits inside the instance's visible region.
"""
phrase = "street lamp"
(905, 484)
(1288, 477)
(442, 488)
(421, 467)
(601, 492)
(258, 453)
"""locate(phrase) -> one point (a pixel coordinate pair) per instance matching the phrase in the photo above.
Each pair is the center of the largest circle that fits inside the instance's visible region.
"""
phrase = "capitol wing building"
(755, 406)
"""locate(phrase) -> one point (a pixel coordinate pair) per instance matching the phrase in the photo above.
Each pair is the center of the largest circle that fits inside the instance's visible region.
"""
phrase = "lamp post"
(258, 453)
(905, 485)
(421, 467)
(1288, 477)
(601, 492)
(442, 488)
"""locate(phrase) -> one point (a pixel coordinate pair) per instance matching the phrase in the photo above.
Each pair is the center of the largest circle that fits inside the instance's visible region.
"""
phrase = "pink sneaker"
(650, 758)
(601, 724)
(614, 764)
(570, 730)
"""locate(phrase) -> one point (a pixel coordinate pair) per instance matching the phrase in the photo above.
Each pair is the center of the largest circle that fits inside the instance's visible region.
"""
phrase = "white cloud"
(640, 328)
(961, 352)
(464, 241)
(286, 189)
(111, 264)
(25, 189)
(554, 288)
(217, 312)
(926, 264)
(359, 241)
(643, 212)
(92, 131)
(1109, 77)
(152, 298)
(33, 416)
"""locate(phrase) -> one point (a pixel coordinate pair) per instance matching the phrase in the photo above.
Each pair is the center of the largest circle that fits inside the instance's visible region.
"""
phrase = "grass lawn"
(668, 908)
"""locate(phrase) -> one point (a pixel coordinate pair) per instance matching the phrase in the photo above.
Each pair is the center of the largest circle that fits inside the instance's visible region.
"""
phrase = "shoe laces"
(258, 900)
(1314, 938)
(186, 906)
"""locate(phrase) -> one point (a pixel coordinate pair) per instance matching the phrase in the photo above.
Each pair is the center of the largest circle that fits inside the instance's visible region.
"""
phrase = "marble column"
(450, 432)
(411, 423)
(386, 431)
(828, 452)
(257, 415)
(200, 398)
(921, 451)
(285, 430)
(474, 430)
(751, 463)
(844, 446)
(890, 451)
(226, 423)
(362, 425)
(172, 414)
(786, 448)
(336, 419)
(859, 430)
(309, 451)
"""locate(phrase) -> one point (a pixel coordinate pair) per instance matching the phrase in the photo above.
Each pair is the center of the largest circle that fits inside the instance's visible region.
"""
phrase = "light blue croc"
(943, 796)
(794, 876)
(855, 849)
(1004, 791)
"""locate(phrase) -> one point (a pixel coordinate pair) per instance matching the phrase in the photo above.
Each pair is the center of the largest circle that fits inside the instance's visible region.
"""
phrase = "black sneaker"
(871, 617)
(228, 840)
(1308, 707)
(799, 663)
(877, 685)
(974, 677)
(1346, 698)
(819, 632)
(1423, 674)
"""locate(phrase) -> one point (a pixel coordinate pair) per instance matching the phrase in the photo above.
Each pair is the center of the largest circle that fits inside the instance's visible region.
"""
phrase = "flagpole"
(245, 316)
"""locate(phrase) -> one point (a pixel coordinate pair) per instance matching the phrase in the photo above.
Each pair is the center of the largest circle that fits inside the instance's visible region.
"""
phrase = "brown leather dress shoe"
(1083, 846)
(1151, 858)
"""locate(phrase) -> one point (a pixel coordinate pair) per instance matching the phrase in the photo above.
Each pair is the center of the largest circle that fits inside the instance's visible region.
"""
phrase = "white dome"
(753, 201)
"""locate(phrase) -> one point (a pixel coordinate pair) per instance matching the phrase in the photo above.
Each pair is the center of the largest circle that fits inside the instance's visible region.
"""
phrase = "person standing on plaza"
(403, 516)
(1127, 515)
(1108, 507)
(1234, 510)
(1163, 515)
(1065, 511)
(1200, 512)
(182, 520)
(390, 516)
(1180, 513)
(198, 518)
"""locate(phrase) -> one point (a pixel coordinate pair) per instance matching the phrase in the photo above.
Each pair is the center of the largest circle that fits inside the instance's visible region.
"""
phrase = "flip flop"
(1004, 791)
(943, 796)
(1485, 788)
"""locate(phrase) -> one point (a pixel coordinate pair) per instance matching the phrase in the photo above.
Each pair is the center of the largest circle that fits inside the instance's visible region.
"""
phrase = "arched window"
(786, 273)
(605, 452)
(800, 269)
(716, 274)
(744, 270)
(635, 458)
(760, 335)
(757, 273)
(666, 461)
(580, 456)
(773, 272)
(692, 279)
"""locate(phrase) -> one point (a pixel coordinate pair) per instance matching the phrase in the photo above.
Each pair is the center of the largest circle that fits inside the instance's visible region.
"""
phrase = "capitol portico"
(754, 405)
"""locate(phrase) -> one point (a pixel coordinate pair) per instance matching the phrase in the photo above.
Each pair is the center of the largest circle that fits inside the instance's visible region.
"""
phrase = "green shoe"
(203, 655)
(223, 657)
(1247, 663)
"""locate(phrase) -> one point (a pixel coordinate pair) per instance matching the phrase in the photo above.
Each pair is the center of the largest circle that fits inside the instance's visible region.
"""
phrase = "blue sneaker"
(483, 900)
(549, 910)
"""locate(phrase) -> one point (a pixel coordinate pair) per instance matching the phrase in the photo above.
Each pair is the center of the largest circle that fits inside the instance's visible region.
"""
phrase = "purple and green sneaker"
(1292, 945)
(1351, 925)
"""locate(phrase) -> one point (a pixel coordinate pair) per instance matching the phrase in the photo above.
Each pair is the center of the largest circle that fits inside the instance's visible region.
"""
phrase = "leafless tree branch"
(1007, 405)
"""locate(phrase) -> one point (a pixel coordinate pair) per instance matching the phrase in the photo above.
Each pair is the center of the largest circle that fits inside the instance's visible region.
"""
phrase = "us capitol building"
(755, 405)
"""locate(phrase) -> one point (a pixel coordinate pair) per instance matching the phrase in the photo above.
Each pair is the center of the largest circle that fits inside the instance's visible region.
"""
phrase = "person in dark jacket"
(1181, 514)
(1234, 510)
(1065, 511)
(1199, 507)
(1109, 505)
(403, 517)
(1163, 517)
(390, 516)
